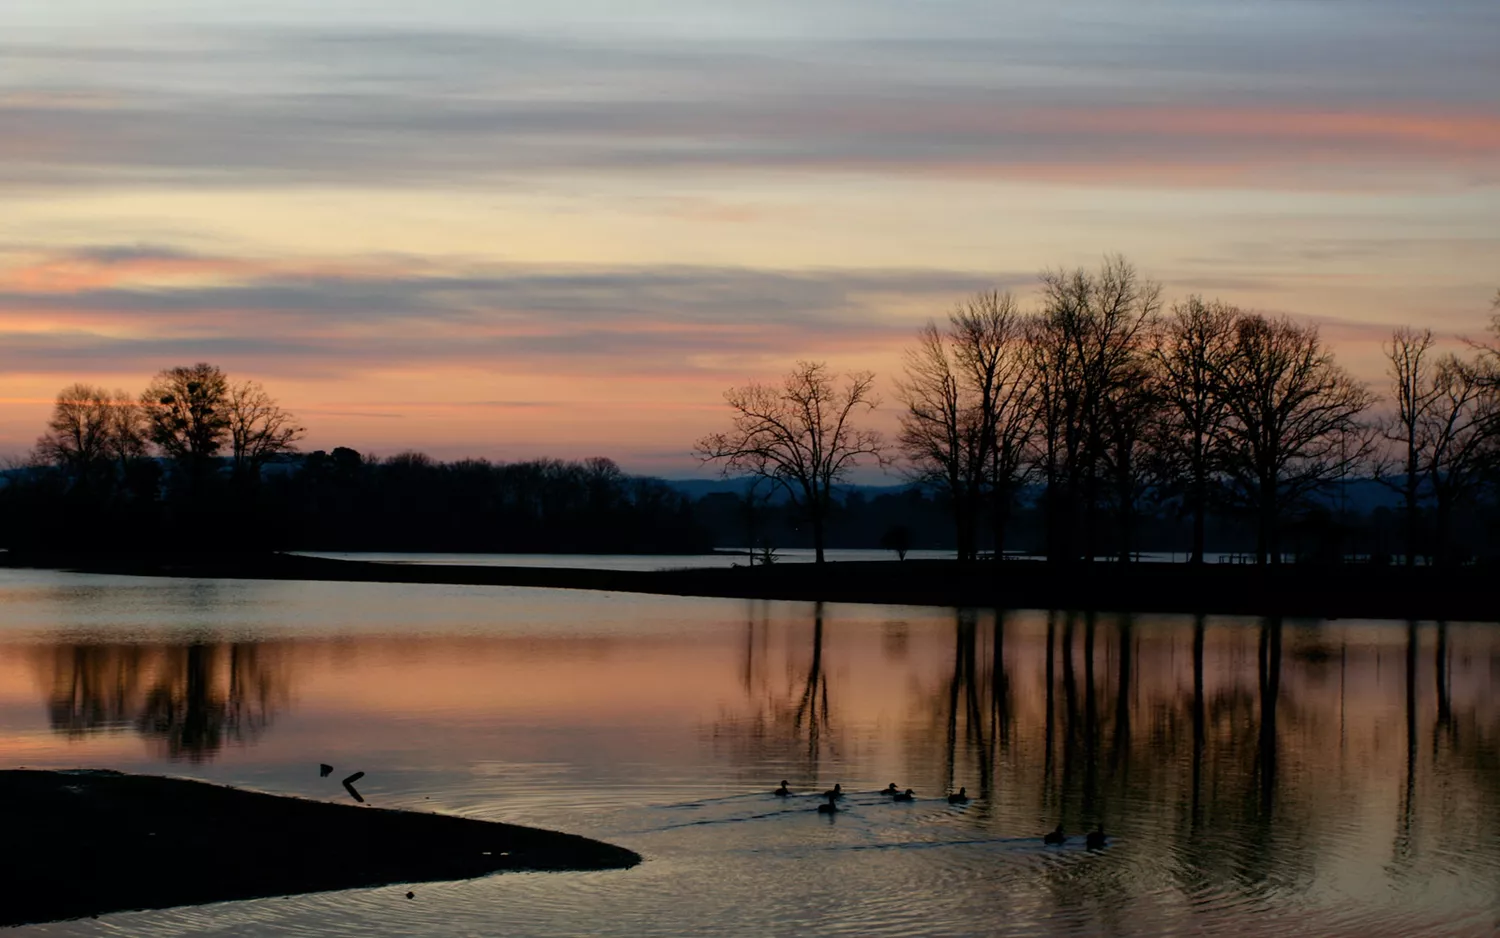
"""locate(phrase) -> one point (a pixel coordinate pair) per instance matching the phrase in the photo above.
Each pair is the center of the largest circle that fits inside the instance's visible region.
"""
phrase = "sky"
(511, 230)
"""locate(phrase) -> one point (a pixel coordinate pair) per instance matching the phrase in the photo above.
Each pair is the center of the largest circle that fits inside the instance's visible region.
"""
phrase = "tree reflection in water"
(1243, 753)
(190, 700)
(788, 726)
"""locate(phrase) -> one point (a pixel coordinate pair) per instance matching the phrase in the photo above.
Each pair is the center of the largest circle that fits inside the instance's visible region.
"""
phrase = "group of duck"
(1095, 840)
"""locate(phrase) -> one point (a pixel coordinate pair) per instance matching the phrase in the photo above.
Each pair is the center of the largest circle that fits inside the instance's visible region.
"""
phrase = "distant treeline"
(345, 501)
(199, 463)
(341, 501)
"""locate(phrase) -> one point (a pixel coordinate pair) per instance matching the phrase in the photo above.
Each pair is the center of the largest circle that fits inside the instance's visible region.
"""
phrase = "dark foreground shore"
(1350, 591)
(87, 843)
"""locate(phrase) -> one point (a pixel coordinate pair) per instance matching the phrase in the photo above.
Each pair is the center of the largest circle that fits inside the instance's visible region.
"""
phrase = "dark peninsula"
(1293, 590)
(91, 842)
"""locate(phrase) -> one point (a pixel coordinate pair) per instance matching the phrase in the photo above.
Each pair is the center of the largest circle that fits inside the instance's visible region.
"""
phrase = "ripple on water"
(755, 864)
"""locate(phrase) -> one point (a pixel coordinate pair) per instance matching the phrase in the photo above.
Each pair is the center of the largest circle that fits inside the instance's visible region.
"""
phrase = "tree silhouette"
(1294, 421)
(1415, 395)
(967, 420)
(259, 430)
(90, 429)
(1463, 427)
(800, 436)
(187, 415)
(1188, 352)
(1085, 349)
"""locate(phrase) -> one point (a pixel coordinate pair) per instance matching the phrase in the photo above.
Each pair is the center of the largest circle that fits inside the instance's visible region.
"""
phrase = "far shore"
(85, 843)
(1311, 591)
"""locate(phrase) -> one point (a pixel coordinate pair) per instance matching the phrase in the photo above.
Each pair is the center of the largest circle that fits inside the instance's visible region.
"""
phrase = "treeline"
(1119, 410)
(177, 466)
(197, 463)
(341, 501)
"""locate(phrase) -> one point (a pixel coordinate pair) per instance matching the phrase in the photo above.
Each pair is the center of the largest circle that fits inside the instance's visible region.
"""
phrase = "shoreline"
(87, 843)
(1345, 591)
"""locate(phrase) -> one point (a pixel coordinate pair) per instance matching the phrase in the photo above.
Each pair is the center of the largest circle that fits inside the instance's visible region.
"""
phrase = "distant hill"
(1360, 496)
(697, 488)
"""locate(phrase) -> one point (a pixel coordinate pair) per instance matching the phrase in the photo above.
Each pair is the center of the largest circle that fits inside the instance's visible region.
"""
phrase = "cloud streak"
(323, 318)
(1158, 99)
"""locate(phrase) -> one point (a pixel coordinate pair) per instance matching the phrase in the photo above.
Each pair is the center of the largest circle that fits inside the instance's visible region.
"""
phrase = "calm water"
(1259, 778)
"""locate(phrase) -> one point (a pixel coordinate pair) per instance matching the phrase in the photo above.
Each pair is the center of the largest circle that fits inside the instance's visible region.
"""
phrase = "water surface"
(1258, 777)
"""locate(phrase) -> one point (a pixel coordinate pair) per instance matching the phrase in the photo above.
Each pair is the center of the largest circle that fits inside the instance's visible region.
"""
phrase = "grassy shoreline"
(1350, 591)
(91, 842)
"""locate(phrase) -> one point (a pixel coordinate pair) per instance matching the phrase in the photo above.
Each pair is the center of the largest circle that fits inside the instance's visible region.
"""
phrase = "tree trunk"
(1442, 521)
(1411, 517)
(1057, 522)
(1091, 515)
(965, 523)
(1265, 537)
(963, 527)
(997, 521)
(1199, 499)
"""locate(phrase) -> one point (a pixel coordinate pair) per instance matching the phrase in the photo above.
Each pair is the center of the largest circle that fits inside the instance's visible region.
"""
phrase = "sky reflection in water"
(1257, 777)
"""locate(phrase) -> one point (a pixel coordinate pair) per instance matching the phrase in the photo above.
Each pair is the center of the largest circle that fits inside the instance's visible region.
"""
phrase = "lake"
(1256, 777)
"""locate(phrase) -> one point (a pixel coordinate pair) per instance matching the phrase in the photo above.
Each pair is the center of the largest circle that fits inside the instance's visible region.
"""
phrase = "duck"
(1056, 837)
(837, 791)
(891, 789)
(962, 797)
(783, 791)
(1096, 839)
(830, 807)
(907, 795)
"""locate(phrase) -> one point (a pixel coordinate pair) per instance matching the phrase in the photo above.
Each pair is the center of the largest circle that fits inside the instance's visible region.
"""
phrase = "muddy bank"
(1348, 591)
(88, 843)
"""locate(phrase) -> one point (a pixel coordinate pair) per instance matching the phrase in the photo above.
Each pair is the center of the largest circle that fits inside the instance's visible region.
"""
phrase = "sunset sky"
(512, 229)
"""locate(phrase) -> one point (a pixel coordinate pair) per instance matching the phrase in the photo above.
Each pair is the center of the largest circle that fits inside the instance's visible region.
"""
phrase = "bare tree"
(800, 436)
(1489, 353)
(1459, 433)
(1084, 353)
(992, 351)
(941, 431)
(1415, 394)
(259, 430)
(1131, 416)
(91, 428)
(1294, 420)
(126, 441)
(1188, 349)
(186, 412)
(77, 437)
(966, 423)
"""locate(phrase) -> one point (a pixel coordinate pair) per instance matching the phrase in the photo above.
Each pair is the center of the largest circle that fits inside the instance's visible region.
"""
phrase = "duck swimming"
(837, 791)
(1056, 837)
(906, 795)
(962, 797)
(830, 807)
(891, 789)
(783, 791)
(1096, 839)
